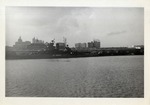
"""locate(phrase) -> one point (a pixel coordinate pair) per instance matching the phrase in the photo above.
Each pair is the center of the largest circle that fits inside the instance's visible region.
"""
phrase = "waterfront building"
(9, 48)
(20, 45)
(36, 46)
(90, 45)
(80, 45)
(94, 44)
(65, 41)
(36, 40)
(33, 40)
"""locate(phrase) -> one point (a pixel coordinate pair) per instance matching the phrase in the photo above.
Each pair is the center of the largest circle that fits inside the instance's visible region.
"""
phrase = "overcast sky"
(114, 27)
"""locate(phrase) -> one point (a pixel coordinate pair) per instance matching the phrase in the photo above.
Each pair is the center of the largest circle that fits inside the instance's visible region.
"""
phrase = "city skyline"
(114, 27)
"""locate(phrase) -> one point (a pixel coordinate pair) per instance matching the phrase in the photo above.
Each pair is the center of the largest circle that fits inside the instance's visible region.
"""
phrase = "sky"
(113, 26)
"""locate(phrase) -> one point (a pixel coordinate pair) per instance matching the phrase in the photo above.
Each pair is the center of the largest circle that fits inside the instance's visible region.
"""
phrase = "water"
(115, 76)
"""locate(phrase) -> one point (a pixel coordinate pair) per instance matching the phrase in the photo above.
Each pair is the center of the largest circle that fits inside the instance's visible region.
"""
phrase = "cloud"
(77, 24)
(116, 33)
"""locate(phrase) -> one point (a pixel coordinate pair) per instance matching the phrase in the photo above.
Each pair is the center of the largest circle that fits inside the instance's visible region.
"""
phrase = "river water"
(111, 76)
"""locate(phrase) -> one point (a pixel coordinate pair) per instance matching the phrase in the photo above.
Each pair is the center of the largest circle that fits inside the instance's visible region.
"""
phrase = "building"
(20, 45)
(80, 45)
(36, 40)
(90, 45)
(65, 41)
(36, 46)
(94, 44)
(9, 48)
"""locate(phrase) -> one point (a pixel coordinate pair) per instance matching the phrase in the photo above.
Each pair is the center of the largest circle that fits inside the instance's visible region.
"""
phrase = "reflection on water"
(116, 76)
(57, 60)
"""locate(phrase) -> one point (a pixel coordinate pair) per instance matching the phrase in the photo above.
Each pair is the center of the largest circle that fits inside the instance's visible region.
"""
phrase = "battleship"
(69, 53)
(39, 50)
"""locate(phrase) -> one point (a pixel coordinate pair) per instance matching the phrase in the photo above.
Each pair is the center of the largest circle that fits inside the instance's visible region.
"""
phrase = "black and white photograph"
(74, 52)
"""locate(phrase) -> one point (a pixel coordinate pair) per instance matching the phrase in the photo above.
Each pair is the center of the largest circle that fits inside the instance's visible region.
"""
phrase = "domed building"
(20, 45)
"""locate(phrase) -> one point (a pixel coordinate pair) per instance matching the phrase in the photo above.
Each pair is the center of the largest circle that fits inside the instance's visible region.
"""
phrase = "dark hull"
(46, 56)
(61, 54)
